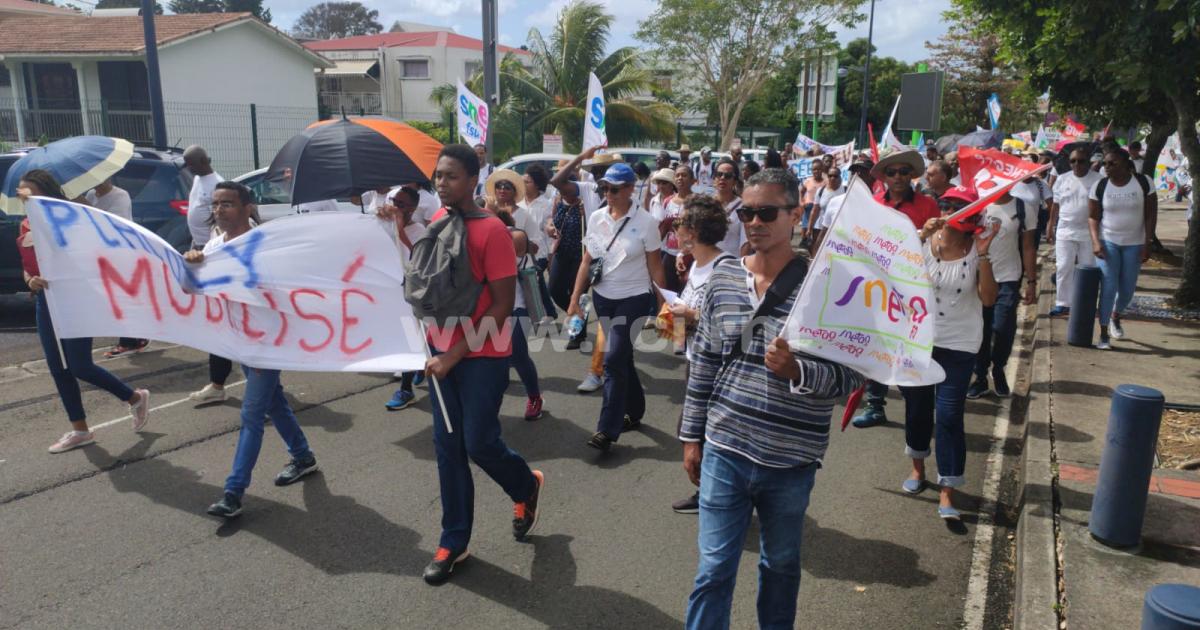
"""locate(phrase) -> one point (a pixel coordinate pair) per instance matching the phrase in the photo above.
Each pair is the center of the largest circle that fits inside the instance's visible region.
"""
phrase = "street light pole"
(153, 80)
(491, 71)
(862, 121)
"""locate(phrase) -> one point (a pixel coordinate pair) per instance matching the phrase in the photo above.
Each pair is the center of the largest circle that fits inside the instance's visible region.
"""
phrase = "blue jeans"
(941, 406)
(78, 353)
(623, 394)
(876, 395)
(1119, 273)
(731, 488)
(264, 397)
(472, 392)
(520, 359)
(999, 330)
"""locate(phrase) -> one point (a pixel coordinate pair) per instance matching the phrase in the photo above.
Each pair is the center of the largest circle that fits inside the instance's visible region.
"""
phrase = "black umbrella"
(335, 159)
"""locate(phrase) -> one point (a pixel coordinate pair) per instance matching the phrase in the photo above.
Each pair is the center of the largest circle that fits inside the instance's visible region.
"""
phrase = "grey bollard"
(1171, 607)
(1082, 323)
(1119, 507)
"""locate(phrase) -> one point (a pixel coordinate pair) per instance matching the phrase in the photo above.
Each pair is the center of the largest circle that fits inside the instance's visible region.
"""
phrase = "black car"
(157, 183)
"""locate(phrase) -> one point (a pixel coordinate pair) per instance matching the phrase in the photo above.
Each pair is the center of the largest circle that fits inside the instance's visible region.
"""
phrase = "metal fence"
(239, 137)
(353, 103)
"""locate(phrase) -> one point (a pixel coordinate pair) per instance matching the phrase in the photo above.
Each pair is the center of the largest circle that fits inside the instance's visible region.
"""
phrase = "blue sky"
(901, 26)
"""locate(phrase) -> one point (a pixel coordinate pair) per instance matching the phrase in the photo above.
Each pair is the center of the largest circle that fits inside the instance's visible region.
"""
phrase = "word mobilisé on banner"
(991, 173)
(472, 116)
(866, 301)
(320, 292)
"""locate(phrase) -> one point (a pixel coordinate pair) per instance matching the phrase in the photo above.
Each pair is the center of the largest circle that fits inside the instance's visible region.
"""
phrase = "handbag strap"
(781, 288)
(614, 238)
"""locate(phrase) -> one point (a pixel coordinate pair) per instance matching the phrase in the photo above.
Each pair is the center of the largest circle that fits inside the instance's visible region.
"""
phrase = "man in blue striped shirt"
(761, 412)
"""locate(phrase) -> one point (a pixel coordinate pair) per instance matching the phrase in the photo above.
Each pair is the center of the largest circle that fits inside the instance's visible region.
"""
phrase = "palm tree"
(551, 94)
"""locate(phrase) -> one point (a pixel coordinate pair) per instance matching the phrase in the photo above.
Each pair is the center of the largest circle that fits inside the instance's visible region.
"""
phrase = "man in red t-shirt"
(471, 368)
(896, 172)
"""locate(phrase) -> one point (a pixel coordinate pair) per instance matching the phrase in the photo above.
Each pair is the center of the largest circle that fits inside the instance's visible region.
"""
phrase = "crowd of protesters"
(731, 238)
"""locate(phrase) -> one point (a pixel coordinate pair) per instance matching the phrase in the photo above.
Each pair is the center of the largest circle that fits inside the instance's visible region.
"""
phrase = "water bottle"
(575, 324)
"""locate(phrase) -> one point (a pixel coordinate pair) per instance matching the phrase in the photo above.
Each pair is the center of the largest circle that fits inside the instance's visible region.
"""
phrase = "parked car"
(157, 183)
(634, 155)
(275, 200)
(548, 160)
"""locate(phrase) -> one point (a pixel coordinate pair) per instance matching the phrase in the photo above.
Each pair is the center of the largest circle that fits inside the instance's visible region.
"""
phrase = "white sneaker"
(72, 440)
(1103, 343)
(547, 320)
(1115, 330)
(207, 395)
(590, 384)
(141, 411)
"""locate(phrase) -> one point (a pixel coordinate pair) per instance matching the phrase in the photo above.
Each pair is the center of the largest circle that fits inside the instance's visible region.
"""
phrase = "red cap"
(962, 193)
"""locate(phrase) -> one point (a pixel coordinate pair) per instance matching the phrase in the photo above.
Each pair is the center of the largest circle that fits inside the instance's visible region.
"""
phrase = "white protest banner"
(472, 117)
(320, 292)
(802, 168)
(865, 302)
(595, 133)
(842, 154)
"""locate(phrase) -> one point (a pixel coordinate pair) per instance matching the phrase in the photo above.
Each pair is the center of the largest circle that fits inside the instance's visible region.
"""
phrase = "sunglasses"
(726, 175)
(505, 186)
(903, 171)
(766, 214)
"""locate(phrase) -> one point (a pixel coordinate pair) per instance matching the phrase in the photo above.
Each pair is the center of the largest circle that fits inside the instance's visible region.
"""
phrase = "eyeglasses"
(903, 171)
(726, 175)
(766, 214)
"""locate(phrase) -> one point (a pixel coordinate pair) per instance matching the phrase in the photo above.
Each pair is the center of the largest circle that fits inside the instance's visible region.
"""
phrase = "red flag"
(874, 147)
(852, 404)
(991, 173)
(1073, 129)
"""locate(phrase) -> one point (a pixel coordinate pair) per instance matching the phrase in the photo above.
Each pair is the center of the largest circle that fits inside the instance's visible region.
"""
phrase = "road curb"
(1036, 602)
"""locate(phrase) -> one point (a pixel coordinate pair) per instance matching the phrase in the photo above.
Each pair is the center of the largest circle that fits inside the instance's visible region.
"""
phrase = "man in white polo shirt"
(1068, 227)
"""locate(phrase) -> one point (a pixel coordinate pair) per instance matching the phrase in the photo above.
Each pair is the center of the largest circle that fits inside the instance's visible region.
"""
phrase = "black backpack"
(1102, 185)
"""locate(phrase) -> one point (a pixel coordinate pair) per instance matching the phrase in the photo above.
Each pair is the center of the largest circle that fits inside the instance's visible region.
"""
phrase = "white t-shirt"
(591, 200)
(736, 234)
(414, 231)
(1123, 221)
(704, 178)
(661, 212)
(1137, 163)
(694, 291)
(427, 205)
(625, 273)
(830, 210)
(959, 323)
(1072, 192)
(200, 206)
(1005, 256)
(115, 202)
(373, 201)
(534, 216)
(327, 205)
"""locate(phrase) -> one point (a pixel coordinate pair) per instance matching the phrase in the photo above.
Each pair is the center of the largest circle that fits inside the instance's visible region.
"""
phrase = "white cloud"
(901, 29)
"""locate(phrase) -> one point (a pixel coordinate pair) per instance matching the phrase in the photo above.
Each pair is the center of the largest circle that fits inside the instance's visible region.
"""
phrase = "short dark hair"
(706, 218)
(773, 159)
(411, 193)
(641, 170)
(539, 175)
(944, 167)
(779, 177)
(243, 193)
(464, 155)
(1120, 153)
(45, 182)
(751, 166)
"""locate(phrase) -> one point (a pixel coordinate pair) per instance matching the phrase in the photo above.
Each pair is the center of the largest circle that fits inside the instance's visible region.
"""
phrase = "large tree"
(332, 20)
(733, 47)
(1137, 51)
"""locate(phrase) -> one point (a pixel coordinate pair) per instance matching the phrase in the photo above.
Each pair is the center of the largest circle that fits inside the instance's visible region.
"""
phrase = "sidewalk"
(1064, 577)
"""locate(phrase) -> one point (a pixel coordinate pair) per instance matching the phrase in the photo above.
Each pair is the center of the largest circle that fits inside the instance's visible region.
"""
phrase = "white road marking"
(163, 406)
(985, 530)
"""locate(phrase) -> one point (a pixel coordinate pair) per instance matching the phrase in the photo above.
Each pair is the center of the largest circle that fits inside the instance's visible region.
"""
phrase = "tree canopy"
(332, 20)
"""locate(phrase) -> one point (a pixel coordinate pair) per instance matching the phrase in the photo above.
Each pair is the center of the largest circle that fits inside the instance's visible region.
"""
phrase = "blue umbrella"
(79, 164)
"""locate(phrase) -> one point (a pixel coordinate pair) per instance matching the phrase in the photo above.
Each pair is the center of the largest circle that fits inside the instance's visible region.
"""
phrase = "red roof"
(71, 35)
(430, 39)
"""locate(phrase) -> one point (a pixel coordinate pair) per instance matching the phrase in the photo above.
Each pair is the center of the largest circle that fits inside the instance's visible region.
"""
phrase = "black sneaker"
(525, 513)
(977, 389)
(1000, 384)
(439, 569)
(228, 507)
(629, 424)
(295, 470)
(574, 342)
(690, 505)
(600, 442)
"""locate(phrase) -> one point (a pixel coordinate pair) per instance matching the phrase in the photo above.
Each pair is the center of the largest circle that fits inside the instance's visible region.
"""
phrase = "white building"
(69, 75)
(395, 73)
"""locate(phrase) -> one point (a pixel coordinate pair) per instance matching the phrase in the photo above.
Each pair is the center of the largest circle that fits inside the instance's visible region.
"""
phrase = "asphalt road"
(115, 535)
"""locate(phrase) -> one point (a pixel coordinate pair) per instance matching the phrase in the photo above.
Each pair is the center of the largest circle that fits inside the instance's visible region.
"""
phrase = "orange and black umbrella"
(335, 159)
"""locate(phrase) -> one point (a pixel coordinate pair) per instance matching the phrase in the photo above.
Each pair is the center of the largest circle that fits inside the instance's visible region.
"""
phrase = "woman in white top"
(624, 240)
(728, 179)
(664, 211)
(963, 284)
(534, 212)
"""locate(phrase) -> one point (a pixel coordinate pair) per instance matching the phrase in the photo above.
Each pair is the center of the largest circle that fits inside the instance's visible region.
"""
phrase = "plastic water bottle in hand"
(575, 324)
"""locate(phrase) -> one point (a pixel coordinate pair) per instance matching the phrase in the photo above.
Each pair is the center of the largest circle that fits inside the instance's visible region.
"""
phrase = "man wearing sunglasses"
(896, 172)
(756, 417)
(1068, 229)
